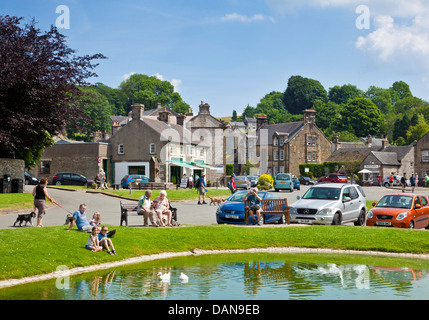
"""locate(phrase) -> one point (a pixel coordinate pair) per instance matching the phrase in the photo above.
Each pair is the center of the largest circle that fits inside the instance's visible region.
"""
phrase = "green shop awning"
(183, 164)
(203, 165)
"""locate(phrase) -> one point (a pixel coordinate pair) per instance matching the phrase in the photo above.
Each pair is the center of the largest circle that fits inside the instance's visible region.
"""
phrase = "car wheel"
(291, 190)
(387, 185)
(411, 226)
(361, 219)
(336, 221)
(277, 190)
(85, 184)
(58, 183)
(281, 220)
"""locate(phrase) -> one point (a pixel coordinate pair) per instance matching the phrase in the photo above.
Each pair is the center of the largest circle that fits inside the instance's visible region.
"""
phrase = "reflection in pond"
(243, 276)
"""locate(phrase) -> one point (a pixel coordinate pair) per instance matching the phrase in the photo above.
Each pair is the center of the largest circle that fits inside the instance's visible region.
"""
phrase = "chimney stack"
(137, 111)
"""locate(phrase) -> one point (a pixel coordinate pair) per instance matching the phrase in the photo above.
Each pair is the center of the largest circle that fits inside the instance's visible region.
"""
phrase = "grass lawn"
(16, 200)
(32, 251)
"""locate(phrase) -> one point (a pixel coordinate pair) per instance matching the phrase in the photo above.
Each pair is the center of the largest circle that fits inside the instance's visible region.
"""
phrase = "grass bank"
(33, 251)
(16, 201)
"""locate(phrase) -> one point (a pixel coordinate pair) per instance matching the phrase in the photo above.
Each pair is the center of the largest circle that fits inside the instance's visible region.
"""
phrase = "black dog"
(25, 217)
(69, 219)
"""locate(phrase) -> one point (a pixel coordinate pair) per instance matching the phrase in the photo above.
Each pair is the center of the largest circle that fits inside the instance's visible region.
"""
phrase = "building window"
(314, 156)
(276, 141)
(121, 149)
(425, 156)
(276, 170)
(201, 152)
(172, 149)
(276, 155)
(282, 169)
(282, 142)
(181, 149)
(152, 148)
(309, 157)
(45, 167)
(281, 154)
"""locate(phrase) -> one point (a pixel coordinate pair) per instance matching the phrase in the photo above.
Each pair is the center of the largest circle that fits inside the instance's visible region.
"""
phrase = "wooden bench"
(269, 206)
(130, 209)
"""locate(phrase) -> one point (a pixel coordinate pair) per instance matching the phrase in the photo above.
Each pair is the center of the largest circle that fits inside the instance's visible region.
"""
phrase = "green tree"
(362, 116)
(381, 98)
(301, 93)
(342, 94)
(401, 127)
(149, 90)
(401, 90)
(418, 131)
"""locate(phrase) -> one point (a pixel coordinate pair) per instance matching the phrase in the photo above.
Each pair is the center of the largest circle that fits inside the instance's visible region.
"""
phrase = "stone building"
(283, 147)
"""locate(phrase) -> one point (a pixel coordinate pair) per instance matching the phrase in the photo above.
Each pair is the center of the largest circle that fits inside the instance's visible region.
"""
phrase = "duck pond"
(250, 276)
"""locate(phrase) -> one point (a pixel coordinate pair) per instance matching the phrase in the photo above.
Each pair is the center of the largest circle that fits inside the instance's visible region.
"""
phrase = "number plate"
(383, 223)
(232, 216)
(305, 221)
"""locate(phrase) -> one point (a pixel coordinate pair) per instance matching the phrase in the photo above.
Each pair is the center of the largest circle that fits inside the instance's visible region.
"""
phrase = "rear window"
(282, 177)
(239, 196)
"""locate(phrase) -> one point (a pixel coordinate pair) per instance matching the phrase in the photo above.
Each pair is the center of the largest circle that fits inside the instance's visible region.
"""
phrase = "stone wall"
(14, 168)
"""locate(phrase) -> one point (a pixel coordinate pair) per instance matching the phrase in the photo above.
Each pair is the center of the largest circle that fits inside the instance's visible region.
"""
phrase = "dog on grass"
(25, 218)
(69, 219)
(215, 200)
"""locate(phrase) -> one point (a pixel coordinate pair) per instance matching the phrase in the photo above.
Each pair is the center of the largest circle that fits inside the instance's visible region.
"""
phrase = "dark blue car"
(232, 210)
(296, 183)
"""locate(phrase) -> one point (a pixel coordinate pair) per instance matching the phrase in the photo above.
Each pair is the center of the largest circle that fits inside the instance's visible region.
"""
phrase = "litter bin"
(4, 186)
(17, 186)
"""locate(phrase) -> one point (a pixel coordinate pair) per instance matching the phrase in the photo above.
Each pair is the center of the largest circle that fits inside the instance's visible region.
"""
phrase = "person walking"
(40, 193)
(201, 185)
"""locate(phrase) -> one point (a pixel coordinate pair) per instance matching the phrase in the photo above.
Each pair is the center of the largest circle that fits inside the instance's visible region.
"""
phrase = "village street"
(109, 207)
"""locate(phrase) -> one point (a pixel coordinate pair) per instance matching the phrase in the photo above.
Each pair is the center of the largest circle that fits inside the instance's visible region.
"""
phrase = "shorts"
(254, 207)
(40, 205)
(202, 191)
(89, 247)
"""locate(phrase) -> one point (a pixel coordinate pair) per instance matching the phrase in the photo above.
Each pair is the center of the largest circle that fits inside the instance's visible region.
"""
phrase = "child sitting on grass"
(96, 220)
(93, 243)
(105, 241)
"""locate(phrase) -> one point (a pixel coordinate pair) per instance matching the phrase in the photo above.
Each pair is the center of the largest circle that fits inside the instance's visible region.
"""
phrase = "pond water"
(243, 277)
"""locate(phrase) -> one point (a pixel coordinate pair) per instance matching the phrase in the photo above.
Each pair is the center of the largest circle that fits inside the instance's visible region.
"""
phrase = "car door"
(421, 217)
(76, 179)
(351, 208)
(66, 178)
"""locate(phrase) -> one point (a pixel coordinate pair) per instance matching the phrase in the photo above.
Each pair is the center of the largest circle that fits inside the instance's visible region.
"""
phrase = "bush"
(265, 182)
(229, 169)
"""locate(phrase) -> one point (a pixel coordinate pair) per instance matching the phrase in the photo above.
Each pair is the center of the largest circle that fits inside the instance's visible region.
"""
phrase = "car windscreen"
(395, 201)
(239, 196)
(252, 178)
(323, 193)
(282, 177)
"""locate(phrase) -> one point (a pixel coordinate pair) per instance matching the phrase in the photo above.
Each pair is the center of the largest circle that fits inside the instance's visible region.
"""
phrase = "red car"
(402, 210)
(333, 178)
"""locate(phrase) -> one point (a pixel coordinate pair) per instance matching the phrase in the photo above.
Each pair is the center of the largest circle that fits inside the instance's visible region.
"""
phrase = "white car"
(333, 203)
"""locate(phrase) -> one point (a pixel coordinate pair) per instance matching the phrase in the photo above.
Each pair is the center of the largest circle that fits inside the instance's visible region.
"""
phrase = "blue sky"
(230, 53)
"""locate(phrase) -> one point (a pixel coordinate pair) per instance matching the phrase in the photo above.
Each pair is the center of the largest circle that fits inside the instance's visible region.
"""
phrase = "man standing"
(145, 208)
(201, 185)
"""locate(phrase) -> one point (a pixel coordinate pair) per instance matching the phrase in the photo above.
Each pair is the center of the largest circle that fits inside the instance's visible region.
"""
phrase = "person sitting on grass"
(105, 242)
(92, 243)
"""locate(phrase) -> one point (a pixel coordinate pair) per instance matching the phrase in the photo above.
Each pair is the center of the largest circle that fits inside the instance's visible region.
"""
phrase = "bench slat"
(270, 206)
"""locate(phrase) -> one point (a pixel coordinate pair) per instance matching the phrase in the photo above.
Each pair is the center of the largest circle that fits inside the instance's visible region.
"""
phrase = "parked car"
(71, 178)
(125, 182)
(242, 182)
(231, 211)
(296, 183)
(283, 181)
(30, 179)
(253, 180)
(396, 181)
(306, 181)
(331, 203)
(333, 178)
(402, 210)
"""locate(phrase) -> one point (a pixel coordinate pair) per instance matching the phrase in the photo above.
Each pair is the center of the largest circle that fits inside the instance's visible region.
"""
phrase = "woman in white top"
(162, 206)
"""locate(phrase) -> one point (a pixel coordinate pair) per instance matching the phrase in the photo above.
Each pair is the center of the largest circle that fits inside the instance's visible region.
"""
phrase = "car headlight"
(370, 214)
(325, 211)
(292, 210)
(401, 216)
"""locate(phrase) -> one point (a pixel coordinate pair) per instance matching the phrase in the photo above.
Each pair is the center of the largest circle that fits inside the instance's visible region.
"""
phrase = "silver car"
(242, 182)
(333, 203)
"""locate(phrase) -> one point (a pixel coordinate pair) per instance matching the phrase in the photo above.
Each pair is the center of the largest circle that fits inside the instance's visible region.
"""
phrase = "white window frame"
(276, 141)
(121, 149)
(425, 155)
(281, 155)
(152, 148)
(276, 155)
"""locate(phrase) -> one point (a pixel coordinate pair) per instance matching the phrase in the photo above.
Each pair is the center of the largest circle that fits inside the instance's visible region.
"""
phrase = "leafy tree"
(342, 94)
(362, 117)
(401, 90)
(97, 110)
(407, 104)
(418, 131)
(116, 98)
(380, 97)
(149, 90)
(39, 79)
(301, 93)
(401, 127)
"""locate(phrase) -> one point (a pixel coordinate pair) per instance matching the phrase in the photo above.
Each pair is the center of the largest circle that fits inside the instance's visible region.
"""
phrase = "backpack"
(229, 184)
(197, 184)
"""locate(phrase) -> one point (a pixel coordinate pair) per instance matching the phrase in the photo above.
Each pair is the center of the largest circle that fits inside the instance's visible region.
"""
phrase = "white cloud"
(244, 18)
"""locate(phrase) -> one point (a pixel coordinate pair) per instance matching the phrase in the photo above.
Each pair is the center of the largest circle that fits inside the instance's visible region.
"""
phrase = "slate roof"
(291, 128)
(387, 158)
(350, 154)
